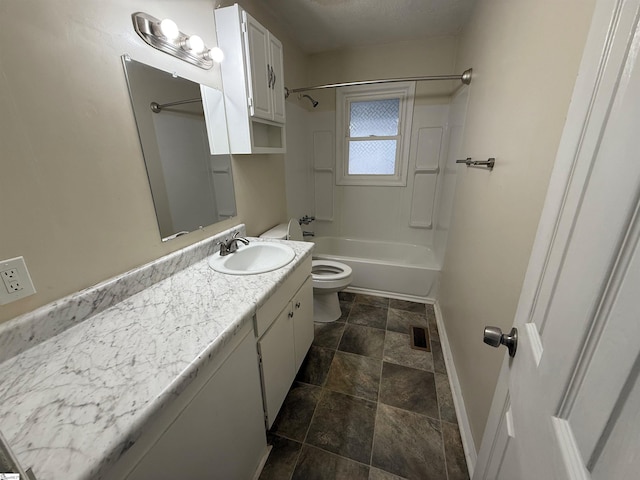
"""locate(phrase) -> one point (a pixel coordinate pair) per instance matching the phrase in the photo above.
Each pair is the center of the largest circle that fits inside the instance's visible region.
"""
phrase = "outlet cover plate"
(16, 281)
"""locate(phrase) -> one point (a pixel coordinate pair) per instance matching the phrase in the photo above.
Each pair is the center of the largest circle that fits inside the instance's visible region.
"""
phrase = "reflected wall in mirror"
(191, 187)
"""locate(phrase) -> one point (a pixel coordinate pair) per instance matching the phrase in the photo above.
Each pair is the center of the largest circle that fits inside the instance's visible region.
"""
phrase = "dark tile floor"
(367, 406)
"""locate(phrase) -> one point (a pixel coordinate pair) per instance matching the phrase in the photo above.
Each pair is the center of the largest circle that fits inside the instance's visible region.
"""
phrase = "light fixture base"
(144, 25)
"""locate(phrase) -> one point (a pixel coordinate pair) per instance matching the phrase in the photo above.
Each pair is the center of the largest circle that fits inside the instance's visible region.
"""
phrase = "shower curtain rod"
(157, 108)
(464, 78)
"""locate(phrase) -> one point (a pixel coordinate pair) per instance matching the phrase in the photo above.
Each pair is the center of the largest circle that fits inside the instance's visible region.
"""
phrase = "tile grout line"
(306, 434)
(375, 418)
(322, 392)
(322, 389)
(336, 455)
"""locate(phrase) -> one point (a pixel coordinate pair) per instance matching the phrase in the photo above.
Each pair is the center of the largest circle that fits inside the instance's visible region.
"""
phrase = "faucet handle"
(306, 220)
(223, 248)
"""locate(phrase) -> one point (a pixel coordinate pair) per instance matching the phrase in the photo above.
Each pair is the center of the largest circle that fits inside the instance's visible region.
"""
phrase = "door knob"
(493, 336)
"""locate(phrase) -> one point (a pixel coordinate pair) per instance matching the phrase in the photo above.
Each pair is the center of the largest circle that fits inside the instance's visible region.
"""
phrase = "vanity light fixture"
(167, 37)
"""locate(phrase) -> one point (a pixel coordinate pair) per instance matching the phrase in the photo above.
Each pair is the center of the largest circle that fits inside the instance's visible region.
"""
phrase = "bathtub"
(398, 270)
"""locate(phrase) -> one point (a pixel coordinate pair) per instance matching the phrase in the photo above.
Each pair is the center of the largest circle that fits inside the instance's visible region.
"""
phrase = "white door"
(567, 406)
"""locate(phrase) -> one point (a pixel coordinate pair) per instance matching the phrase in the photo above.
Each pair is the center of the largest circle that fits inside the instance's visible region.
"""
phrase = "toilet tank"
(284, 231)
(279, 232)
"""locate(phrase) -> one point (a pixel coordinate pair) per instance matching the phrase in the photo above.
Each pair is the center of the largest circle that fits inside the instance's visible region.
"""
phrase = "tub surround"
(84, 376)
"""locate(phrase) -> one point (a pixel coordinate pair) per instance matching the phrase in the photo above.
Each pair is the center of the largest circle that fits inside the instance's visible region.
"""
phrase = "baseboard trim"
(468, 444)
(397, 296)
(263, 462)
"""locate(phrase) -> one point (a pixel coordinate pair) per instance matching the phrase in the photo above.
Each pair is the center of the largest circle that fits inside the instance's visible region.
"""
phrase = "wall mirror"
(186, 155)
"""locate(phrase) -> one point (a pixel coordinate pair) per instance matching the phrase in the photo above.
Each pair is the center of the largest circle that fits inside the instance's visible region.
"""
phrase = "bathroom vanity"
(156, 373)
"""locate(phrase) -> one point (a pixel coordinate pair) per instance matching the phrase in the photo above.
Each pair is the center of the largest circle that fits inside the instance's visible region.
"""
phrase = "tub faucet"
(308, 234)
(231, 245)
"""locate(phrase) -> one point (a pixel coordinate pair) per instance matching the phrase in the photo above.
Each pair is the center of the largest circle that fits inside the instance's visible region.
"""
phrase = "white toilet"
(328, 277)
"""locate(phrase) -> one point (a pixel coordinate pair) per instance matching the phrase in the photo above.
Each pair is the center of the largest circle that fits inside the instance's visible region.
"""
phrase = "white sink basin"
(253, 258)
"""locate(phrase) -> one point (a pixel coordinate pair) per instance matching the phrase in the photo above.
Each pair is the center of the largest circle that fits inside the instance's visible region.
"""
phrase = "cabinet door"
(258, 68)
(220, 434)
(303, 321)
(277, 83)
(278, 358)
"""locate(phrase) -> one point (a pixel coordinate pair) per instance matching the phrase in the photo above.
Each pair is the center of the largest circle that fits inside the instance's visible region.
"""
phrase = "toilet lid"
(329, 270)
(294, 232)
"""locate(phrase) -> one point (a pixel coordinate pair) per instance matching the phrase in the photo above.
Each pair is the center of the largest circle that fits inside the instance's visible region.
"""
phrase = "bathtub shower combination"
(404, 271)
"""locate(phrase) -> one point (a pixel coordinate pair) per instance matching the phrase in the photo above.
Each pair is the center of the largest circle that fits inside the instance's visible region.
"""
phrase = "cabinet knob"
(297, 304)
(290, 314)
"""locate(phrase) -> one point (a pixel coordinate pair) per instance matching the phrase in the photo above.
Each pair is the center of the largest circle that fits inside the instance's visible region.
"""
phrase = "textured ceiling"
(323, 25)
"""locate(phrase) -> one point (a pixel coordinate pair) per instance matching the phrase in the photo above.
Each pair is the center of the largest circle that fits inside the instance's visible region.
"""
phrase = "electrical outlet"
(16, 279)
(15, 286)
(10, 274)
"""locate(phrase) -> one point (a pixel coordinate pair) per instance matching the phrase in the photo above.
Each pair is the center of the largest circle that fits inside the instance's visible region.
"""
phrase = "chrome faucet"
(231, 245)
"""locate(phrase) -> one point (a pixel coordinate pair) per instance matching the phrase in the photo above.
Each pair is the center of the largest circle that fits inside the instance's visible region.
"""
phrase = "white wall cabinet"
(253, 82)
(264, 64)
(284, 338)
(219, 430)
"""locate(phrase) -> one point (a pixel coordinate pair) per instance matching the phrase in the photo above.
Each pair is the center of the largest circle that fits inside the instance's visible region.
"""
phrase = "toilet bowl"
(328, 277)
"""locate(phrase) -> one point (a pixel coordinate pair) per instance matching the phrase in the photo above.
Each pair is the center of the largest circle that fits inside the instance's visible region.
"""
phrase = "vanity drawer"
(268, 312)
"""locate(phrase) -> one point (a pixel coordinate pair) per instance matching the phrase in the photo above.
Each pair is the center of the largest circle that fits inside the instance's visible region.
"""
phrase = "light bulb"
(169, 29)
(195, 44)
(216, 54)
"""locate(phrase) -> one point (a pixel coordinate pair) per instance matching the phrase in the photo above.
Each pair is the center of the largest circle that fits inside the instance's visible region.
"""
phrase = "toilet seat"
(327, 270)
(329, 275)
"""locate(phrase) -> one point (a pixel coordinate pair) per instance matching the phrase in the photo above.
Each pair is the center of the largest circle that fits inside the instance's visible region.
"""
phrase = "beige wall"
(73, 187)
(427, 56)
(525, 57)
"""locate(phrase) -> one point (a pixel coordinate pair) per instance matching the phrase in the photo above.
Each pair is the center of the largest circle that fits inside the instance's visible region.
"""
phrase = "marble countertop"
(72, 404)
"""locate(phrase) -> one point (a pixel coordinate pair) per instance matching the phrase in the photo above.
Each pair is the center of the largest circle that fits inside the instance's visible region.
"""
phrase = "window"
(373, 128)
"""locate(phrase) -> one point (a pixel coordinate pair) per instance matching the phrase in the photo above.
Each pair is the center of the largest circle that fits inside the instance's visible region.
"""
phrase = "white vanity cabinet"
(216, 432)
(284, 327)
(253, 82)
